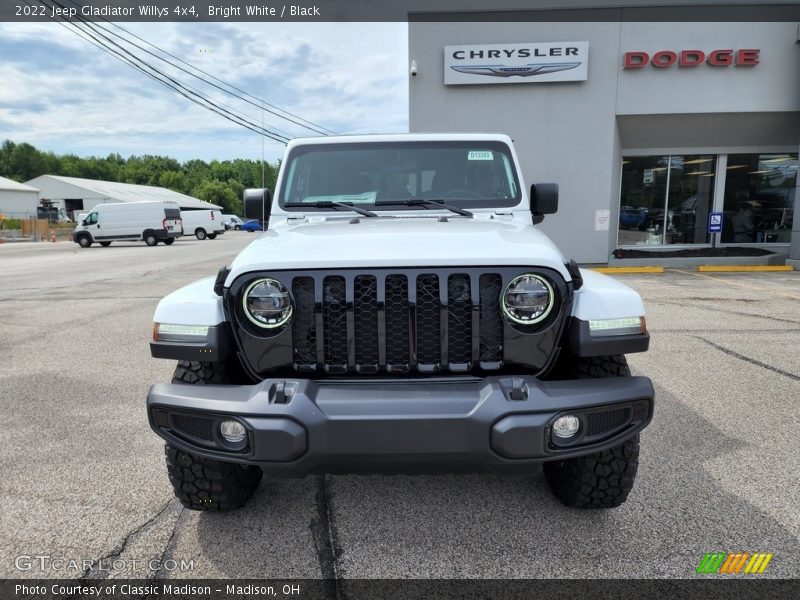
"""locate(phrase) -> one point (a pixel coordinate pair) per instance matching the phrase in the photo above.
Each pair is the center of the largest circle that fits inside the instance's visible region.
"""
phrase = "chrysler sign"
(516, 63)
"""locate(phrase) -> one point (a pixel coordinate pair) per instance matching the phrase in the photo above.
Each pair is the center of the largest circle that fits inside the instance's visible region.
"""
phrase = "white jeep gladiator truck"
(402, 312)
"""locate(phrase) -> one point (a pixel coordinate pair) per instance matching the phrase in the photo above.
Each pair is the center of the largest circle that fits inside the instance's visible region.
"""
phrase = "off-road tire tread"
(594, 367)
(603, 479)
(210, 485)
(203, 483)
(201, 373)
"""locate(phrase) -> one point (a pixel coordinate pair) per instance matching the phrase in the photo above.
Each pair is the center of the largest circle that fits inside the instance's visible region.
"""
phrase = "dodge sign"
(516, 63)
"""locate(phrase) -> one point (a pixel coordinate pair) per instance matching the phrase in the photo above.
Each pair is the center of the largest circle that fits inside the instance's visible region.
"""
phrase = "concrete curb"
(623, 270)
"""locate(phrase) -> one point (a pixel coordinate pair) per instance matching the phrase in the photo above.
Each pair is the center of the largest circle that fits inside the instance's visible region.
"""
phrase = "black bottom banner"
(328, 589)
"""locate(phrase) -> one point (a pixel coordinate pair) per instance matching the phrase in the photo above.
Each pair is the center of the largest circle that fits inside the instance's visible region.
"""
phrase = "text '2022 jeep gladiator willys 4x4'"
(401, 312)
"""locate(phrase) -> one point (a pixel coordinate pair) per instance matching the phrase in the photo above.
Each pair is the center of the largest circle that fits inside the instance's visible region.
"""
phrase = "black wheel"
(237, 227)
(212, 236)
(150, 238)
(203, 483)
(84, 241)
(200, 234)
(603, 479)
(169, 241)
(105, 244)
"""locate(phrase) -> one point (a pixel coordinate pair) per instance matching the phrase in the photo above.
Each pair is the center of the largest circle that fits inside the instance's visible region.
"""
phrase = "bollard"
(53, 236)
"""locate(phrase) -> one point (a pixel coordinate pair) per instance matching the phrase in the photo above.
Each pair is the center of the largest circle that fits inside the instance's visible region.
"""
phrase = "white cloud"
(59, 92)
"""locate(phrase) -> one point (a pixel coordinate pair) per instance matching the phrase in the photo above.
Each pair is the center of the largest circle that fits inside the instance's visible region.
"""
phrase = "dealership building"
(656, 132)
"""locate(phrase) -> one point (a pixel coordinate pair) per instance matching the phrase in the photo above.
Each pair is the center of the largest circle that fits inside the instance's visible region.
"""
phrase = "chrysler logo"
(518, 71)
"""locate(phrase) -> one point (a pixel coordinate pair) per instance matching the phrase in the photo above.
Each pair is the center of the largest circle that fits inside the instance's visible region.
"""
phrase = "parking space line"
(744, 268)
(739, 283)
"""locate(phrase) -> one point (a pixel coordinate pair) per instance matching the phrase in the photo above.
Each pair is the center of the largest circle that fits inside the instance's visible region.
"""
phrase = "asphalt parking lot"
(82, 477)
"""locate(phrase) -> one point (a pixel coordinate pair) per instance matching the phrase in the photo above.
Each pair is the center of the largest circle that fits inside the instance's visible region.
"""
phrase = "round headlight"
(528, 299)
(267, 303)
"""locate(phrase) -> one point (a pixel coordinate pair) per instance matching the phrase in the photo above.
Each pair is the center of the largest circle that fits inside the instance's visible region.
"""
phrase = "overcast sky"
(60, 93)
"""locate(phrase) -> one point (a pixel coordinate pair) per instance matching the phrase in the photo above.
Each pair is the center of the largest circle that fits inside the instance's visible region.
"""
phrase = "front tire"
(200, 234)
(84, 241)
(603, 479)
(203, 483)
(210, 485)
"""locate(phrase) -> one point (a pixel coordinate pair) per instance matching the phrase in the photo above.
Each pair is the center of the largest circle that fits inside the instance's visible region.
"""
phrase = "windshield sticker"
(480, 155)
(365, 198)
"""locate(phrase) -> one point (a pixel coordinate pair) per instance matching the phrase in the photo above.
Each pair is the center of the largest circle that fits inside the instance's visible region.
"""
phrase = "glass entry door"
(666, 199)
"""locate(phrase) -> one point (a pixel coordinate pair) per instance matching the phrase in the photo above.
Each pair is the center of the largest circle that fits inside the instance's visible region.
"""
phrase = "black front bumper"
(298, 426)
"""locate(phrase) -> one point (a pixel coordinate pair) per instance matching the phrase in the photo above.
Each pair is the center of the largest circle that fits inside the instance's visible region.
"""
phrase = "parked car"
(232, 222)
(351, 338)
(203, 223)
(252, 225)
(631, 217)
(152, 222)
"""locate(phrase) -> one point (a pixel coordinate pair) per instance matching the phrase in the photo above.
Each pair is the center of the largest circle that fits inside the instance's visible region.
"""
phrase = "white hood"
(398, 242)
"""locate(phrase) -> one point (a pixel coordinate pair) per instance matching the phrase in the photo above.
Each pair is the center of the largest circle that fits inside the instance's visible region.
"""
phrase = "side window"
(91, 219)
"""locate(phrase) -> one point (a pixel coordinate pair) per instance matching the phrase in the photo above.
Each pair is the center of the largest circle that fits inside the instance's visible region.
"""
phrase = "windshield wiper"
(331, 204)
(427, 202)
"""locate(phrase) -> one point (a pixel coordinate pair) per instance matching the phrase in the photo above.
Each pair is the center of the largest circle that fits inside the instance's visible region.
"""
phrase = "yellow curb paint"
(616, 270)
(743, 268)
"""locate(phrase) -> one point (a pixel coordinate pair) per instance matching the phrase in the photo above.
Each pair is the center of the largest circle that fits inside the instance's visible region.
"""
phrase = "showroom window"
(666, 199)
(759, 198)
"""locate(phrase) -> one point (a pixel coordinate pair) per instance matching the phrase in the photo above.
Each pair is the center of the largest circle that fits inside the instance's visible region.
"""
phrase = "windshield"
(465, 174)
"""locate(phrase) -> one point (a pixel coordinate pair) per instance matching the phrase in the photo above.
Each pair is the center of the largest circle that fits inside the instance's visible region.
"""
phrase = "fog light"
(566, 426)
(233, 431)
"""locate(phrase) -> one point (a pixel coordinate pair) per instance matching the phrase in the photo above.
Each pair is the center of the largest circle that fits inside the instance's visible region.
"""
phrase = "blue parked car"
(252, 225)
(631, 218)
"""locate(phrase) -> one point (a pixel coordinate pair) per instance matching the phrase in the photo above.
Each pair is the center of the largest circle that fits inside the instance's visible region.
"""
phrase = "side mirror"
(256, 203)
(544, 199)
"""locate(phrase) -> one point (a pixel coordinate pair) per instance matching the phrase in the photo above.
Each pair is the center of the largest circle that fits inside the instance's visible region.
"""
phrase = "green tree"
(173, 180)
(220, 182)
(219, 193)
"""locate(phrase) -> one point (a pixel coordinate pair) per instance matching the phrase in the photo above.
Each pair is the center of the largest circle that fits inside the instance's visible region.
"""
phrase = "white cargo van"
(203, 223)
(232, 222)
(152, 222)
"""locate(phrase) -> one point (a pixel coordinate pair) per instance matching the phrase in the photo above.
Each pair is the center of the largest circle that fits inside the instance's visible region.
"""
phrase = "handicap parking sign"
(714, 222)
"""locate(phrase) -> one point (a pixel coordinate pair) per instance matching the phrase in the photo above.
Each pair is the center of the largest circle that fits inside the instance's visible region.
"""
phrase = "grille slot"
(303, 327)
(334, 314)
(194, 427)
(365, 316)
(425, 322)
(459, 320)
(491, 324)
(602, 422)
(429, 347)
(396, 308)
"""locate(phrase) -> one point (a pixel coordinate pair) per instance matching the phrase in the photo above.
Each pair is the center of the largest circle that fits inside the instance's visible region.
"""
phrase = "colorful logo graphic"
(730, 563)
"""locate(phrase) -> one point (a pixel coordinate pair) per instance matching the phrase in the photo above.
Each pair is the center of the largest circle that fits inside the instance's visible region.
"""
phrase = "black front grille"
(397, 323)
(602, 422)
(199, 428)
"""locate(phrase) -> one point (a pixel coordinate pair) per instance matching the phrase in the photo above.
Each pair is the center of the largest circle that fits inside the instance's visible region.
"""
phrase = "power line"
(89, 34)
(297, 120)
